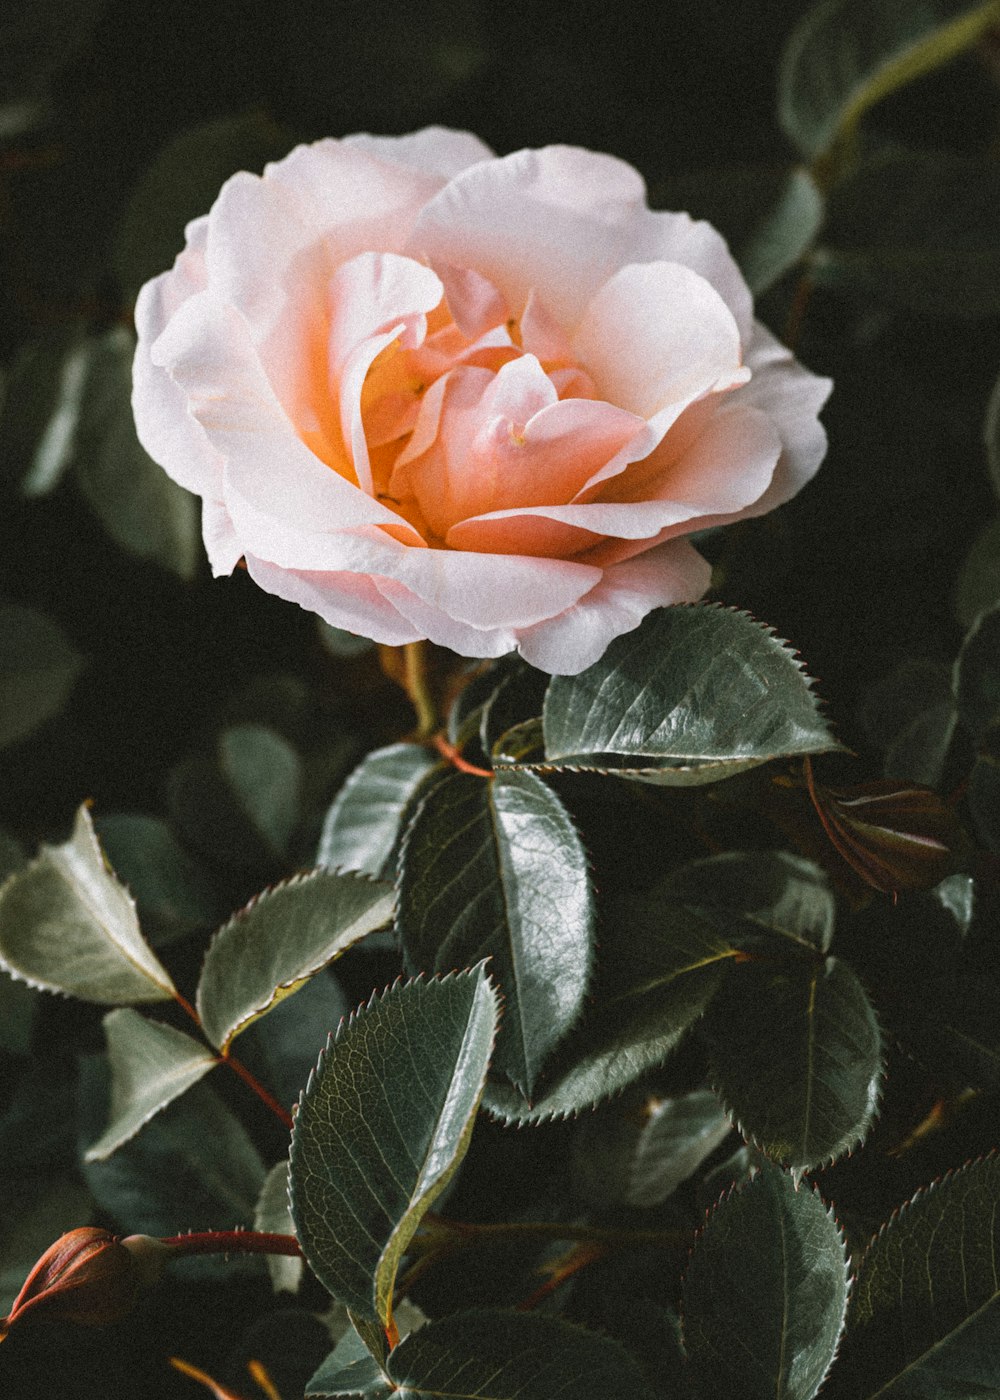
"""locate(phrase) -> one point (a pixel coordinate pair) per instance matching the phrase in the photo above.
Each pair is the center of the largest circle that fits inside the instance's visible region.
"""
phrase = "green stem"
(416, 683)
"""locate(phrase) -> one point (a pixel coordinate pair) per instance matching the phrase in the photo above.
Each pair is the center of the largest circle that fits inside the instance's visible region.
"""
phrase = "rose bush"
(431, 393)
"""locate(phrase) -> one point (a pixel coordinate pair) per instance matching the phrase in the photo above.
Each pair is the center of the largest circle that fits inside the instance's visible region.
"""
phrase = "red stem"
(451, 755)
(234, 1242)
(240, 1069)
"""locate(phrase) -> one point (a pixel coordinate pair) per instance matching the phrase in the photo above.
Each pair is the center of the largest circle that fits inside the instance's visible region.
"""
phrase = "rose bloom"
(427, 392)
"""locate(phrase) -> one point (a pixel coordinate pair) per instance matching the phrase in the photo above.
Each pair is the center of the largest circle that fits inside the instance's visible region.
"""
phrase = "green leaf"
(343, 645)
(362, 828)
(771, 893)
(41, 409)
(241, 803)
(845, 55)
(765, 1293)
(984, 789)
(151, 1065)
(183, 183)
(926, 1305)
(193, 1167)
(797, 1058)
(350, 1372)
(273, 1216)
(172, 891)
(919, 230)
(769, 215)
(496, 870)
(68, 925)
(977, 674)
(284, 937)
(692, 695)
(38, 668)
(978, 586)
(512, 1356)
(660, 968)
(381, 1127)
(280, 1048)
(639, 1149)
(18, 1008)
(142, 509)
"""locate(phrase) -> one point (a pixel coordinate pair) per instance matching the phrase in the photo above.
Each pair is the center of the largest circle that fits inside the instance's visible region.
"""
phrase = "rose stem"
(239, 1068)
(416, 683)
(234, 1242)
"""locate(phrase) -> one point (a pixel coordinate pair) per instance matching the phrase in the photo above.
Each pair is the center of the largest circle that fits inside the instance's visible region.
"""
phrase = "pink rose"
(427, 392)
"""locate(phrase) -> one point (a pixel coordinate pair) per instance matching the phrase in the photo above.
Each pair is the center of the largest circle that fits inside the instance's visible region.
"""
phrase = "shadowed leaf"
(38, 668)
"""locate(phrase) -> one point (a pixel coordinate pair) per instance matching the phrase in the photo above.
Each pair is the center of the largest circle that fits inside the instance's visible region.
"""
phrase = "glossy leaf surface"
(765, 1293)
(797, 1058)
(362, 827)
(68, 925)
(692, 695)
(382, 1125)
(496, 869)
(151, 1065)
(280, 940)
(926, 1306)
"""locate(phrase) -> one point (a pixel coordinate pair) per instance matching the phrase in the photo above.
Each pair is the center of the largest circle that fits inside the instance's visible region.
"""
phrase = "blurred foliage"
(850, 153)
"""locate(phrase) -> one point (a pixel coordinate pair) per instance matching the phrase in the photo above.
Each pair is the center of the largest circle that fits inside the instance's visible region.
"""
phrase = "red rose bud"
(896, 836)
(88, 1276)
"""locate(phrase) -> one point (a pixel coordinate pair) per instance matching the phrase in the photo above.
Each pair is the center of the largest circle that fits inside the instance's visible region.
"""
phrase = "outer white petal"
(575, 639)
(348, 601)
(435, 150)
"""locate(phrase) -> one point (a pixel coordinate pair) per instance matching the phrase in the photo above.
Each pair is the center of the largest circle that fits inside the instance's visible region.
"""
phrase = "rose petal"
(222, 546)
(668, 237)
(573, 640)
(445, 631)
(436, 150)
(376, 292)
(348, 601)
(656, 336)
(475, 304)
(559, 219)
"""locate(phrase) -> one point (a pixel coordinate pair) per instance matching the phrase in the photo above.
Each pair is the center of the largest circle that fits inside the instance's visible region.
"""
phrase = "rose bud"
(88, 1276)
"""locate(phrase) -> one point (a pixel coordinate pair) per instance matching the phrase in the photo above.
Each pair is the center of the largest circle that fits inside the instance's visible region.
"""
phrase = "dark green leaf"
(766, 892)
(283, 938)
(18, 1007)
(183, 183)
(926, 1305)
(342, 644)
(142, 509)
(151, 1065)
(977, 674)
(67, 925)
(381, 1127)
(920, 231)
(172, 891)
(660, 967)
(38, 668)
(362, 828)
(193, 1167)
(797, 1058)
(41, 409)
(350, 1372)
(953, 1023)
(273, 1216)
(769, 215)
(241, 804)
(281, 1046)
(496, 870)
(978, 586)
(765, 1293)
(846, 55)
(984, 789)
(693, 695)
(637, 1151)
(512, 1356)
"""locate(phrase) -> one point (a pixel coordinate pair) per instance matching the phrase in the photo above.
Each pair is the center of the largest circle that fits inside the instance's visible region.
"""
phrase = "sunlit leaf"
(496, 869)
(381, 1127)
(362, 828)
(68, 925)
(846, 55)
(926, 1305)
(797, 1058)
(283, 938)
(38, 668)
(692, 695)
(765, 1293)
(151, 1065)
